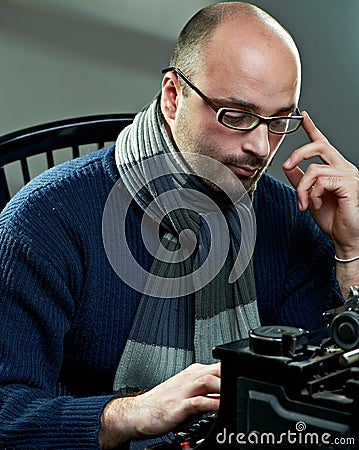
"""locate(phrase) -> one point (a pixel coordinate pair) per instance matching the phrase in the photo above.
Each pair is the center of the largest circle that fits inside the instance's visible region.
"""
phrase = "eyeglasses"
(245, 120)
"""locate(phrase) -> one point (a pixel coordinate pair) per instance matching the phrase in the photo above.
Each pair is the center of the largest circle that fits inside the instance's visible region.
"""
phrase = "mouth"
(244, 171)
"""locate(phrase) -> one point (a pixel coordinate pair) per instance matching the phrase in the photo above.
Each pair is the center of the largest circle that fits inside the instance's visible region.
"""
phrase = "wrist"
(347, 274)
(348, 260)
(346, 253)
(116, 423)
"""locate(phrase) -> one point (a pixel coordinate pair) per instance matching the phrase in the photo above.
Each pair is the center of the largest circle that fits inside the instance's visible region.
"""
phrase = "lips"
(243, 171)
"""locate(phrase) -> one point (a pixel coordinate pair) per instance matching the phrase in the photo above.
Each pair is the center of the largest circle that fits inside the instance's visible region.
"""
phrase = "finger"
(198, 379)
(198, 369)
(315, 196)
(321, 149)
(306, 151)
(318, 147)
(203, 368)
(199, 404)
(316, 171)
(205, 384)
(322, 178)
(322, 192)
(313, 133)
(294, 175)
(303, 183)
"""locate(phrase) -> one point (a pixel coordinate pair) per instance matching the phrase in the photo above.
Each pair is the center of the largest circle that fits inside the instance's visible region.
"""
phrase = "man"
(80, 320)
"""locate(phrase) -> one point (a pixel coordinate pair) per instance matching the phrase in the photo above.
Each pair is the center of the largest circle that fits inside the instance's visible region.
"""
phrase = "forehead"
(256, 70)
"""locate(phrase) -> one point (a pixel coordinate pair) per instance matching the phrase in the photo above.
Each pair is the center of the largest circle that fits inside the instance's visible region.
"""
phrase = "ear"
(170, 97)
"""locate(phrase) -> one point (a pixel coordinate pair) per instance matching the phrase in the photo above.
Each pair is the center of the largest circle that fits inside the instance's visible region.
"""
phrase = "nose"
(257, 141)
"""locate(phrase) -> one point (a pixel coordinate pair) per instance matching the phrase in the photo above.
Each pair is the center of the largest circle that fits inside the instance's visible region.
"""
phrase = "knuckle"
(320, 182)
(195, 367)
(196, 403)
(204, 381)
(200, 404)
(355, 184)
(314, 168)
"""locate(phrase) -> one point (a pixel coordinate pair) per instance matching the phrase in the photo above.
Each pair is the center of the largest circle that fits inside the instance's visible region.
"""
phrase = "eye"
(238, 119)
(280, 125)
(285, 125)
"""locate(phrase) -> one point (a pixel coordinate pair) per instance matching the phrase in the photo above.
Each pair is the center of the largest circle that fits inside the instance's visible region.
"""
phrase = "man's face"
(255, 77)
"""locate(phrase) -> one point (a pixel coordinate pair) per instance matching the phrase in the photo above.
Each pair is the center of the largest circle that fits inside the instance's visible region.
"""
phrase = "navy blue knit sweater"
(65, 314)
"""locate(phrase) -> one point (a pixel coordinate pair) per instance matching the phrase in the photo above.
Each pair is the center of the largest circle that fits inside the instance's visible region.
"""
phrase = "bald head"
(246, 22)
(241, 60)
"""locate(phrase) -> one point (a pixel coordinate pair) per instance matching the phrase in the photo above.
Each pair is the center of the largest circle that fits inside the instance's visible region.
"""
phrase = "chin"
(250, 184)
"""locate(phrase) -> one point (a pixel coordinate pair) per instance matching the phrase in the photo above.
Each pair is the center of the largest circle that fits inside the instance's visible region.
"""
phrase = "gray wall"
(327, 34)
(62, 61)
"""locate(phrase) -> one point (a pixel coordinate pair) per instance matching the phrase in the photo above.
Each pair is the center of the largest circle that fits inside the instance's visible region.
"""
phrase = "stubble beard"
(200, 144)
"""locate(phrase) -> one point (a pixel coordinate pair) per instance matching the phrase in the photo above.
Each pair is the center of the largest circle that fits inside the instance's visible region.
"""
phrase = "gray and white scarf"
(200, 290)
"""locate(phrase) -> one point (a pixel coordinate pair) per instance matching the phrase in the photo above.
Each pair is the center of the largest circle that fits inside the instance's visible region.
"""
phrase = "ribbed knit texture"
(219, 311)
(65, 314)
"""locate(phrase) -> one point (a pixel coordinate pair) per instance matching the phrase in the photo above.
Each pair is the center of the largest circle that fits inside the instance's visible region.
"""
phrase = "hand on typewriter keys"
(162, 408)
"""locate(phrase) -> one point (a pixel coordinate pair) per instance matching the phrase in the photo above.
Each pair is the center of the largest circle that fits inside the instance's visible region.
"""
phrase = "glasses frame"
(221, 111)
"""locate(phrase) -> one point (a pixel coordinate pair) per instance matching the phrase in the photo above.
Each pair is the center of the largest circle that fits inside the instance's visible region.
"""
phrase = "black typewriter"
(285, 387)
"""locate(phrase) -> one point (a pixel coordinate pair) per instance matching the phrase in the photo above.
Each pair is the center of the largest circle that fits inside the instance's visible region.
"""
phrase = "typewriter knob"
(268, 340)
(345, 330)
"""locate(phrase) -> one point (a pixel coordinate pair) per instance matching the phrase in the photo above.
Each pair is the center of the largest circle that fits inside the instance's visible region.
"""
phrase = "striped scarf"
(200, 290)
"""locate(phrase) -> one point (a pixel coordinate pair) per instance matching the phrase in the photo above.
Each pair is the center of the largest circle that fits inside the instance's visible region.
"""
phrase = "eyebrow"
(236, 103)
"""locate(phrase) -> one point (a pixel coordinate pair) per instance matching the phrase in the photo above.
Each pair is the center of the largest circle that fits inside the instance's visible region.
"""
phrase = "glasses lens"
(237, 119)
(243, 121)
(285, 125)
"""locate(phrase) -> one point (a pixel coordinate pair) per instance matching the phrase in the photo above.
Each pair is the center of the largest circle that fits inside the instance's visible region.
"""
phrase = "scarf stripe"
(170, 360)
(184, 311)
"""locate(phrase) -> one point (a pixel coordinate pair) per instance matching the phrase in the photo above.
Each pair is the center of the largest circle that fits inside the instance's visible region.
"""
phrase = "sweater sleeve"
(36, 311)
